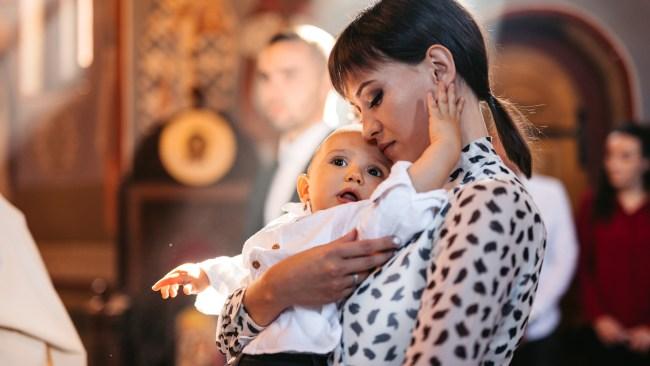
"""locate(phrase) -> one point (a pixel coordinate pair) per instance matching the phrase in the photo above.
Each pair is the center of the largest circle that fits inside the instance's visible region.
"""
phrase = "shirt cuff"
(248, 329)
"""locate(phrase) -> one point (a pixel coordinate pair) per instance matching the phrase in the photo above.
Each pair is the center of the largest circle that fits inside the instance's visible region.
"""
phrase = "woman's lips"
(386, 148)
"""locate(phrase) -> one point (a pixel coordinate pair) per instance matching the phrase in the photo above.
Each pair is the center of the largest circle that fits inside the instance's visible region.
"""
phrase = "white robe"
(35, 328)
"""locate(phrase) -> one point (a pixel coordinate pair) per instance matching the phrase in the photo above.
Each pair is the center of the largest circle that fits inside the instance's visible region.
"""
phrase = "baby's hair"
(353, 127)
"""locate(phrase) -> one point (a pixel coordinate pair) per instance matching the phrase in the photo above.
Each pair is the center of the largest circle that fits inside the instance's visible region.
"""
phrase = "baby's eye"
(338, 162)
(375, 172)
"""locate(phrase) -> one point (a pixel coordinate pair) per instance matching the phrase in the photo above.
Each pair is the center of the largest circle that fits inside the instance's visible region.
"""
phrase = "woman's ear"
(441, 62)
(302, 185)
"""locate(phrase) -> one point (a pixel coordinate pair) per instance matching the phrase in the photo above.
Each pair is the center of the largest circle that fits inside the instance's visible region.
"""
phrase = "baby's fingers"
(452, 100)
(459, 107)
(173, 290)
(169, 279)
(164, 292)
(431, 105)
(442, 100)
(188, 289)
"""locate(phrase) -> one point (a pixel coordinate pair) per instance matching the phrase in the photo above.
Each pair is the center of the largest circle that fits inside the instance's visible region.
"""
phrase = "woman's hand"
(189, 275)
(317, 276)
(639, 339)
(609, 331)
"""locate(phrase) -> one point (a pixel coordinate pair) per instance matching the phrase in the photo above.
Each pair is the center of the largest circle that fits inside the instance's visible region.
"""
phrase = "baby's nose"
(354, 176)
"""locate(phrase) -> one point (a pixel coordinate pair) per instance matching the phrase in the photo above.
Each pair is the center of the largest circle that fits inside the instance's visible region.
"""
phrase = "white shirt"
(34, 325)
(394, 208)
(293, 157)
(560, 257)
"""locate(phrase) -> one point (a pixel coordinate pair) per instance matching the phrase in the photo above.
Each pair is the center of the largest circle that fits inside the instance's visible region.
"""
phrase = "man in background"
(291, 92)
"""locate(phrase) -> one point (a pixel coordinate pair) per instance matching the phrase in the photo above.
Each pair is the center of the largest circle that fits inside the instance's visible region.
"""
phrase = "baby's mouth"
(348, 196)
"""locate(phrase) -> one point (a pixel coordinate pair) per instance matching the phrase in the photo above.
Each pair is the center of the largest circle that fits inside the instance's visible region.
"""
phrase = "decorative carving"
(186, 44)
(197, 148)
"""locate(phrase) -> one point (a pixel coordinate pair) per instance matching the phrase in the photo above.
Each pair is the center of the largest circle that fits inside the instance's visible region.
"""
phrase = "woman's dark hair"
(403, 31)
(605, 198)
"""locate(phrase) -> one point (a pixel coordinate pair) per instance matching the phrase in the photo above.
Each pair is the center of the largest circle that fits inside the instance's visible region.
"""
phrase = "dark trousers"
(590, 351)
(283, 359)
(542, 352)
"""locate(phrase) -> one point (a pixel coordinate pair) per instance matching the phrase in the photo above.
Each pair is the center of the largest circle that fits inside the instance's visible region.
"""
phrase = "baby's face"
(345, 169)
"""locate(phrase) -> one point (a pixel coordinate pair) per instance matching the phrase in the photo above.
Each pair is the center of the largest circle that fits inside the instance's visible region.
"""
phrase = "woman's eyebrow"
(363, 85)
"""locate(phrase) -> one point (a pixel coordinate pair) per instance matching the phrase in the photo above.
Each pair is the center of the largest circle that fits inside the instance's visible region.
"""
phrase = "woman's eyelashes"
(376, 100)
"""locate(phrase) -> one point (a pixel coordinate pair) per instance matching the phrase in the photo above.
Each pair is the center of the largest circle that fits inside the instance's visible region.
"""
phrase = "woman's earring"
(307, 206)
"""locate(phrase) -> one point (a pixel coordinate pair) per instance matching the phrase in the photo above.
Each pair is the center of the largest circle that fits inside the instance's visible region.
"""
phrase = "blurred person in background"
(291, 90)
(35, 329)
(614, 232)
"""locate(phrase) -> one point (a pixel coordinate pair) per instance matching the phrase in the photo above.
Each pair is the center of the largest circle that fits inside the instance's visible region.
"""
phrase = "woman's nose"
(371, 128)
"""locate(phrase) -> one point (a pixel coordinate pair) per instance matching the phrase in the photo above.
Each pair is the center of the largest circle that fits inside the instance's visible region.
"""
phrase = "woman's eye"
(375, 172)
(377, 99)
(338, 162)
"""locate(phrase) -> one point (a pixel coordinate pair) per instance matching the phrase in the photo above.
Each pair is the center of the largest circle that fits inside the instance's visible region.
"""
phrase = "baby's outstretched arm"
(431, 170)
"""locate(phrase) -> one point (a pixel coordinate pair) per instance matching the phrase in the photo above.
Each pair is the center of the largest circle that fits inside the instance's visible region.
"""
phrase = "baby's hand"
(444, 117)
(189, 275)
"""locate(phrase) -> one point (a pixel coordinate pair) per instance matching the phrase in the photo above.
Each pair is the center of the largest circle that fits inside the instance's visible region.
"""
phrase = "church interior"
(130, 142)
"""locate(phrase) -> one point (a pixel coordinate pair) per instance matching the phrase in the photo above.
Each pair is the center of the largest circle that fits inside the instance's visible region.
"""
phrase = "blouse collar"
(477, 158)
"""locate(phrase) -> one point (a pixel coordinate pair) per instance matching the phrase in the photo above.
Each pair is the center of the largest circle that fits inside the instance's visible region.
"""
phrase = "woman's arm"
(482, 281)
(316, 276)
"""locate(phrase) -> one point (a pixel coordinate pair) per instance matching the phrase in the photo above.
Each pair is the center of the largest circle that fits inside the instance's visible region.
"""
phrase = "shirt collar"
(297, 209)
(474, 158)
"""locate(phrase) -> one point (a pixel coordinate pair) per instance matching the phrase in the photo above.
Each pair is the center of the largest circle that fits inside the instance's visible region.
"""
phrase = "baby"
(347, 186)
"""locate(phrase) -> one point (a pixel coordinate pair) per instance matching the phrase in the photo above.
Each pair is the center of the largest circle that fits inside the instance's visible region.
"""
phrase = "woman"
(614, 233)
(460, 291)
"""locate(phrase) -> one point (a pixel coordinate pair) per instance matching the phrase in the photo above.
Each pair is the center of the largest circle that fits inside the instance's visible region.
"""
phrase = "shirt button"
(256, 264)
(275, 246)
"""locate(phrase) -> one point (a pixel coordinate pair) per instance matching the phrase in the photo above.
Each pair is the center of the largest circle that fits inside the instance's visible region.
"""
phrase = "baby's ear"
(302, 185)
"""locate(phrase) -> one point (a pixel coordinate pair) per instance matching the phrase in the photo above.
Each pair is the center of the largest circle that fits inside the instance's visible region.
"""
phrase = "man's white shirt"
(560, 257)
(293, 157)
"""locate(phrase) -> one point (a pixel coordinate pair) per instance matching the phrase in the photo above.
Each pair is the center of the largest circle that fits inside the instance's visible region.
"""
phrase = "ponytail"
(511, 138)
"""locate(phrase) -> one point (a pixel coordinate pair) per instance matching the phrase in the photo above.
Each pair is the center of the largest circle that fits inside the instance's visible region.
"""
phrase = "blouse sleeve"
(396, 208)
(235, 328)
(481, 283)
